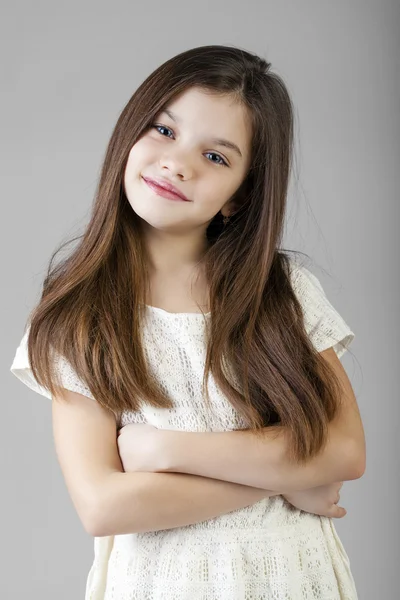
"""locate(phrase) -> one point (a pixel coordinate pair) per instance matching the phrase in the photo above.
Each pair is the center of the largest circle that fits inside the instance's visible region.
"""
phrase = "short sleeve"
(69, 379)
(325, 326)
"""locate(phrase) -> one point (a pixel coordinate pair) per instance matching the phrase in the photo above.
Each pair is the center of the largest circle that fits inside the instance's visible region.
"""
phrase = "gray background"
(67, 71)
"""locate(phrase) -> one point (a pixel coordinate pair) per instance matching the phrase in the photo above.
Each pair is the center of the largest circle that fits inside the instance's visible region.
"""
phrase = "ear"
(236, 201)
(228, 209)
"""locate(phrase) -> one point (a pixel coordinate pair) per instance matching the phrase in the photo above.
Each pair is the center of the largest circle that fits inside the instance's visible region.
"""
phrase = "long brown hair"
(92, 302)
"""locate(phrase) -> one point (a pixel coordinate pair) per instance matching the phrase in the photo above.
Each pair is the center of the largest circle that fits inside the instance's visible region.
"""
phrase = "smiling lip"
(165, 189)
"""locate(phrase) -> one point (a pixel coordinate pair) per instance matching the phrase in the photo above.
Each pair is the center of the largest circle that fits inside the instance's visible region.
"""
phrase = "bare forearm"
(240, 457)
(141, 502)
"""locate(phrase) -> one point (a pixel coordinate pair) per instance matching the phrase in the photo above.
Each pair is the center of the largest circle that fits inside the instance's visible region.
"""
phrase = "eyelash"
(223, 164)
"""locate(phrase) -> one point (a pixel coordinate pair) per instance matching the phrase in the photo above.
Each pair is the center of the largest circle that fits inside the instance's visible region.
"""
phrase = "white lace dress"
(265, 551)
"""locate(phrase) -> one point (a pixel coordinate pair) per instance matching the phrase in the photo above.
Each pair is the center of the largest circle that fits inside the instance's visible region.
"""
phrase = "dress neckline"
(175, 314)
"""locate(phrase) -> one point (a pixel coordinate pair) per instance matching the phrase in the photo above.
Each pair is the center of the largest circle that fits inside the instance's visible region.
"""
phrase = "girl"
(202, 418)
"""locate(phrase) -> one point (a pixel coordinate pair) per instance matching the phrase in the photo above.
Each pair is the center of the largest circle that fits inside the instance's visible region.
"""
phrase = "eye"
(223, 163)
(161, 127)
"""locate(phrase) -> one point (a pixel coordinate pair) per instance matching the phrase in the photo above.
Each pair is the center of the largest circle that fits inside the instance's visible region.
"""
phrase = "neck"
(173, 254)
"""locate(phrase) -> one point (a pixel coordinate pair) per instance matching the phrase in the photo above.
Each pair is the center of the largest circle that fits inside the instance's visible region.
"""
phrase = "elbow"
(93, 521)
(105, 514)
(355, 458)
(96, 524)
(92, 513)
(94, 527)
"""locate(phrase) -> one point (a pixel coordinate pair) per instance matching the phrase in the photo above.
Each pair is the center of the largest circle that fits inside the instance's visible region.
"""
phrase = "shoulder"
(68, 378)
(324, 324)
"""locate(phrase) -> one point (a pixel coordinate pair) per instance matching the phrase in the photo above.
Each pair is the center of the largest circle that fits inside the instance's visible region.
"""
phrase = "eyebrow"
(216, 141)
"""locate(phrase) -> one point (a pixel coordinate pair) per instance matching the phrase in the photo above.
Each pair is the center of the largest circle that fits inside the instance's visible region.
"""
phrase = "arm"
(111, 502)
(240, 457)
(140, 502)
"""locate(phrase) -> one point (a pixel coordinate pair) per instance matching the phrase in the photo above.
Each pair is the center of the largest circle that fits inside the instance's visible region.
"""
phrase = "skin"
(144, 448)
(183, 153)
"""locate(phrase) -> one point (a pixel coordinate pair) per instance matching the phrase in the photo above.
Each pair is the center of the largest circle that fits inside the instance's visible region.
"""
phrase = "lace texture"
(269, 550)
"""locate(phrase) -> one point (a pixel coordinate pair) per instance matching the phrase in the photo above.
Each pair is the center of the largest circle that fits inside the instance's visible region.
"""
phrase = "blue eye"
(222, 164)
(160, 127)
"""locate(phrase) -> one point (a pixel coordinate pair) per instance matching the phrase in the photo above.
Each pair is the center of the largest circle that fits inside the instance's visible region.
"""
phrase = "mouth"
(165, 189)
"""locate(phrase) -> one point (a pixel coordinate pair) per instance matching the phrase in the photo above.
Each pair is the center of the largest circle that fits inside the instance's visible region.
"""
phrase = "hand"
(321, 500)
(140, 448)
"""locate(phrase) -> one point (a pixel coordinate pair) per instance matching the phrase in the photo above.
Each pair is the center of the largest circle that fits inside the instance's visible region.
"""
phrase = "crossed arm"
(240, 457)
(206, 475)
(200, 468)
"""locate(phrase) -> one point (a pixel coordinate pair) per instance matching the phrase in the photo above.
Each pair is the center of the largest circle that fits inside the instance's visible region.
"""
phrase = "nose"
(177, 164)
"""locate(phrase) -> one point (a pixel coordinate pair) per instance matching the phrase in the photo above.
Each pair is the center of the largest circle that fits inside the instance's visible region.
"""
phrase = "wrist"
(169, 450)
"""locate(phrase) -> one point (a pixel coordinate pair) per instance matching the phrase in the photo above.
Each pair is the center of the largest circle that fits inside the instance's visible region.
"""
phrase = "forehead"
(212, 115)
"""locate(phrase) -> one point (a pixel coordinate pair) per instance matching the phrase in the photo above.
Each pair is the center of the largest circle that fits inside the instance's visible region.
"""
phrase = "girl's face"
(185, 148)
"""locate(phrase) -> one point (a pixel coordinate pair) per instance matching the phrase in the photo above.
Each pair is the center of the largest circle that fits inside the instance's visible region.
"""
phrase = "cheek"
(139, 154)
(219, 189)
(143, 150)
(136, 164)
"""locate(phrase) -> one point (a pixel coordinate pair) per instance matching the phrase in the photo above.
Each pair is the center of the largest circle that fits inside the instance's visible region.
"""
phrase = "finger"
(338, 512)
